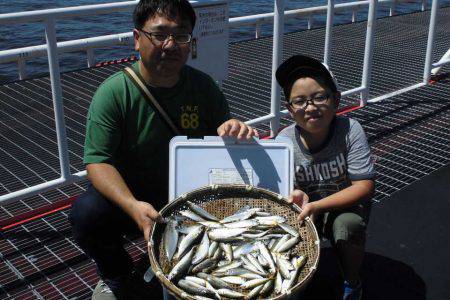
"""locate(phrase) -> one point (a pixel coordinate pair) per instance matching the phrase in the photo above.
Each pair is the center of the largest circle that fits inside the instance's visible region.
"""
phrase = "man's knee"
(89, 211)
(349, 227)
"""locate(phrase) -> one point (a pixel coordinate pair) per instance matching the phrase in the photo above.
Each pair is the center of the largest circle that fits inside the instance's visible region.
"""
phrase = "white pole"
(53, 65)
(22, 69)
(90, 57)
(368, 51)
(430, 44)
(328, 33)
(277, 56)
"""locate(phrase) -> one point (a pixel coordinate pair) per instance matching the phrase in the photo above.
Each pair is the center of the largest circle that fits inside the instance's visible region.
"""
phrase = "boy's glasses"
(302, 103)
(159, 38)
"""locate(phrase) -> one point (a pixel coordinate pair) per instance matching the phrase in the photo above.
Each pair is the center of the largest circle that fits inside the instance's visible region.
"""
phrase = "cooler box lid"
(194, 163)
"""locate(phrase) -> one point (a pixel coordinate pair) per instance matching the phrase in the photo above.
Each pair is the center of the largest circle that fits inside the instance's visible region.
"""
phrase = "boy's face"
(311, 105)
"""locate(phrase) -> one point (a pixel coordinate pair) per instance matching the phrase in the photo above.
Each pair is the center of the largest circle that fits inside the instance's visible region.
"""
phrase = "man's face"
(314, 117)
(164, 59)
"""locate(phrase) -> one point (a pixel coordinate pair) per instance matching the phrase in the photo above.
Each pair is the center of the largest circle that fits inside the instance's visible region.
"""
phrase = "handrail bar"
(65, 12)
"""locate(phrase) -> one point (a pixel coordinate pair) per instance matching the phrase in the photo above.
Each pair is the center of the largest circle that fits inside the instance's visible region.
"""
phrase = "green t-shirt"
(123, 130)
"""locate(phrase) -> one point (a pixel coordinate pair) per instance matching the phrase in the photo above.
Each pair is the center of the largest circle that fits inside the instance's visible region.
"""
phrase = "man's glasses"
(302, 103)
(159, 38)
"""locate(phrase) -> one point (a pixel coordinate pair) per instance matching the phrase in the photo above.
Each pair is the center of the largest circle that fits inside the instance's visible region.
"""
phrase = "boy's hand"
(301, 199)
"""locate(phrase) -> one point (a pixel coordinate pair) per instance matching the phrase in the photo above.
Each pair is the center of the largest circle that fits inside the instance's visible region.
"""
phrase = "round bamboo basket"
(225, 200)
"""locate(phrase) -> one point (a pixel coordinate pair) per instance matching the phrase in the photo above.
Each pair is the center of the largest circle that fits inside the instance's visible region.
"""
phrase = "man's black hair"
(147, 9)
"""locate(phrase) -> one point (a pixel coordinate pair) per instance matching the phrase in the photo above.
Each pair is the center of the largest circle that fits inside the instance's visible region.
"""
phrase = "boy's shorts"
(348, 224)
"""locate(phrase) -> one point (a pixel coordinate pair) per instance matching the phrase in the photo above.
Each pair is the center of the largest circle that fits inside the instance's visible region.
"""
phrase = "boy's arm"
(359, 191)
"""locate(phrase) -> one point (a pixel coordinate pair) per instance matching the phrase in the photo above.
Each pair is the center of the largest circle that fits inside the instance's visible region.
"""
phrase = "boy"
(333, 168)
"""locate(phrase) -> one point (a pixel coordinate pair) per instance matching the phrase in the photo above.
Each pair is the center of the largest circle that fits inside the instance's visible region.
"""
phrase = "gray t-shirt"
(344, 157)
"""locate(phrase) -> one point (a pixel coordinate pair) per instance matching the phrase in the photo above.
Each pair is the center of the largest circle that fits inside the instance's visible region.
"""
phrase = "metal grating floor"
(408, 134)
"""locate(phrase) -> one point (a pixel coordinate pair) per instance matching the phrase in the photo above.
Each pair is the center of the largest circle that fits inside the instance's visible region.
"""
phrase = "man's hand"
(144, 215)
(301, 199)
(237, 129)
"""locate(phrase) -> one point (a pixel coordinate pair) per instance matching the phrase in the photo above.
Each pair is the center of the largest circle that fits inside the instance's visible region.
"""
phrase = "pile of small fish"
(243, 256)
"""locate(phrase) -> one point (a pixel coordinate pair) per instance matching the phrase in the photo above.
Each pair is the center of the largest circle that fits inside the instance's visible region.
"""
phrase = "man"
(126, 147)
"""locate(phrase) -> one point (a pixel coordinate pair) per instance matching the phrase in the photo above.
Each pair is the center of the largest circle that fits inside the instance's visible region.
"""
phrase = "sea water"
(32, 34)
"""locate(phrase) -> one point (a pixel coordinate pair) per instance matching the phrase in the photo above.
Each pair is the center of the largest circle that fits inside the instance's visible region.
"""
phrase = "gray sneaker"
(103, 292)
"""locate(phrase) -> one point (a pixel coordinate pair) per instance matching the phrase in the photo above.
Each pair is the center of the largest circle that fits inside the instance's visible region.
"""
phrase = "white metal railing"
(52, 48)
(21, 55)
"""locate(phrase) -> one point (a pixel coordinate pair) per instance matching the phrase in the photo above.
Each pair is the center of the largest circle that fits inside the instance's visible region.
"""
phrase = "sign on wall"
(209, 47)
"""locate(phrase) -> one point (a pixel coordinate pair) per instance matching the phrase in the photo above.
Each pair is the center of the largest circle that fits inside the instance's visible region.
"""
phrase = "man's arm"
(108, 181)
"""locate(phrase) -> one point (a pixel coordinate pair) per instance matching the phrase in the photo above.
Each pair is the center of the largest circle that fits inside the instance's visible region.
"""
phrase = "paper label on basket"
(231, 176)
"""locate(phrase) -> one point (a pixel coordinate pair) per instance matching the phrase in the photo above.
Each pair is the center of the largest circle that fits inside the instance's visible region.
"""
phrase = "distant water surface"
(15, 36)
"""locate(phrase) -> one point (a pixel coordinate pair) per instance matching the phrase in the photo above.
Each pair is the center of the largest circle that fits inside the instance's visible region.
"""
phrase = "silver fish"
(228, 251)
(263, 214)
(268, 287)
(250, 275)
(218, 254)
(249, 266)
(271, 221)
(197, 280)
(230, 294)
(238, 217)
(191, 215)
(202, 250)
(255, 262)
(182, 266)
(289, 229)
(280, 242)
(212, 248)
(201, 212)
(211, 224)
(282, 268)
(254, 282)
(170, 239)
(197, 297)
(221, 234)
(255, 292)
(228, 266)
(231, 272)
(255, 235)
(262, 260)
(244, 249)
(204, 265)
(299, 263)
(234, 280)
(288, 244)
(243, 209)
(278, 283)
(242, 224)
(188, 240)
(195, 289)
(268, 257)
(216, 282)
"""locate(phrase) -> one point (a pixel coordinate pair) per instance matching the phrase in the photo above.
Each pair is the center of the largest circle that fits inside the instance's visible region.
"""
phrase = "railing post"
(310, 21)
(53, 65)
(354, 15)
(430, 43)
(90, 57)
(392, 8)
(368, 51)
(257, 30)
(277, 56)
(424, 5)
(22, 69)
(328, 33)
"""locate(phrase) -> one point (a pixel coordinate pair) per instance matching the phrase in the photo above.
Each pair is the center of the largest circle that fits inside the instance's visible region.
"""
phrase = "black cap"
(298, 65)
